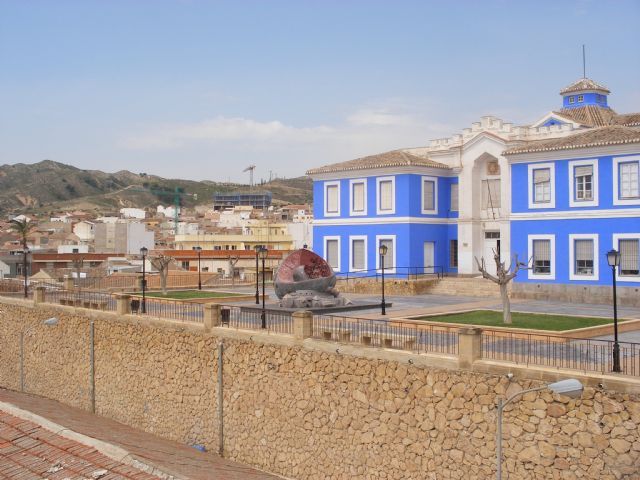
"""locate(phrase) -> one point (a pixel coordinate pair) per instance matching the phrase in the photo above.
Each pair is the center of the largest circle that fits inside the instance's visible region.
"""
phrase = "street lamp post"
(263, 317)
(569, 387)
(257, 248)
(143, 252)
(49, 322)
(613, 259)
(199, 250)
(383, 251)
(25, 256)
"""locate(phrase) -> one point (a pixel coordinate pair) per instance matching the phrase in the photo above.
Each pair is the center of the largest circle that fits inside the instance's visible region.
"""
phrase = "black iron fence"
(170, 309)
(557, 351)
(389, 334)
(276, 321)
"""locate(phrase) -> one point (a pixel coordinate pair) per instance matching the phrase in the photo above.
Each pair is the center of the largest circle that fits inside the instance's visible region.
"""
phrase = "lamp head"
(613, 257)
(570, 387)
(144, 251)
(198, 248)
(263, 253)
(257, 248)
(383, 250)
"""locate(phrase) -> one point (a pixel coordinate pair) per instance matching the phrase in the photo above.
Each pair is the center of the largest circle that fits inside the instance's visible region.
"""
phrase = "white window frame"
(324, 252)
(434, 210)
(580, 98)
(616, 245)
(457, 185)
(366, 253)
(572, 99)
(572, 183)
(552, 185)
(616, 180)
(395, 251)
(353, 182)
(326, 198)
(552, 255)
(572, 256)
(393, 195)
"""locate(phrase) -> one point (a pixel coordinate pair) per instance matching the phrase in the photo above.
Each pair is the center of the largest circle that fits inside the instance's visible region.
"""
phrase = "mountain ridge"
(49, 186)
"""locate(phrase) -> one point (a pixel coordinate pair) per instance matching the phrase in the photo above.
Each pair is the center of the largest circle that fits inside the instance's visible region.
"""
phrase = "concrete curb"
(109, 450)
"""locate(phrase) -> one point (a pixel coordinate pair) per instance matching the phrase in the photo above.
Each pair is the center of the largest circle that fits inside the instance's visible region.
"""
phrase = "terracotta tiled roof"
(611, 135)
(584, 84)
(395, 158)
(589, 115)
(628, 119)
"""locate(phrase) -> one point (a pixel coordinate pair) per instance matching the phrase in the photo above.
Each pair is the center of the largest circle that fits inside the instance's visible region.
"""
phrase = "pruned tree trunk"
(161, 263)
(502, 277)
(506, 304)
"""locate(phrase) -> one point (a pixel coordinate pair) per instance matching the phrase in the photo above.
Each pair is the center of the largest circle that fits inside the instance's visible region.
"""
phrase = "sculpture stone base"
(312, 299)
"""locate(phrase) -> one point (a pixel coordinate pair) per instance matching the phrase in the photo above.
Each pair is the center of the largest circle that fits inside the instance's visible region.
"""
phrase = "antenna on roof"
(584, 63)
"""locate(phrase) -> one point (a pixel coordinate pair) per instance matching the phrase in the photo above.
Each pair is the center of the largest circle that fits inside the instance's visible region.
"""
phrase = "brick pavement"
(30, 452)
(170, 458)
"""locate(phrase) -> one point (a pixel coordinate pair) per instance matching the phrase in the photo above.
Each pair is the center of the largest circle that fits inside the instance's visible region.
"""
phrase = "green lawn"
(489, 318)
(187, 294)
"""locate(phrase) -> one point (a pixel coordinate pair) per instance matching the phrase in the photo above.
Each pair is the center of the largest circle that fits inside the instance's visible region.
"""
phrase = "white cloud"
(380, 117)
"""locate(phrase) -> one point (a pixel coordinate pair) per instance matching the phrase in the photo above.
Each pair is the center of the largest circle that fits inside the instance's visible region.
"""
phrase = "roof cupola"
(584, 92)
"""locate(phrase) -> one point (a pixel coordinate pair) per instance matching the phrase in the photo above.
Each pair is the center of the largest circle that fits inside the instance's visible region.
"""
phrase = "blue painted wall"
(408, 191)
(589, 99)
(410, 240)
(519, 190)
(605, 228)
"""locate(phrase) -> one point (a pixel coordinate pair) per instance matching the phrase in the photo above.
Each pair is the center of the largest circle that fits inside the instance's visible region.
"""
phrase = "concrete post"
(39, 295)
(302, 325)
(123, 304)
(212, 316)
(68, 284)
(469, 346)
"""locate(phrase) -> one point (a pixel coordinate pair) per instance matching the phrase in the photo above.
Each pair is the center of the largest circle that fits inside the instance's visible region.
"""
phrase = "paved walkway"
(30, 452)
(169, 457)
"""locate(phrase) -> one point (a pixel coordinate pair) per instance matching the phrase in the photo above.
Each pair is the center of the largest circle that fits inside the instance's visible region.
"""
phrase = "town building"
(558, 193)
(122, 237)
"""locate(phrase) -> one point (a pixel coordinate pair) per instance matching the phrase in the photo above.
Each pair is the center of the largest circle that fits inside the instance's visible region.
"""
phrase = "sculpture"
(306, 280)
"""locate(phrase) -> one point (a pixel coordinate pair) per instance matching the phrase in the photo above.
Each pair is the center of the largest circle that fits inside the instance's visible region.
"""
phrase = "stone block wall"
(627, 296)
(305, 411)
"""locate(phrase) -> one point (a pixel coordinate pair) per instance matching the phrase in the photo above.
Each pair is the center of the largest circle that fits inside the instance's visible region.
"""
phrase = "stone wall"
(392, 286)
(306, 411)
(627, 296)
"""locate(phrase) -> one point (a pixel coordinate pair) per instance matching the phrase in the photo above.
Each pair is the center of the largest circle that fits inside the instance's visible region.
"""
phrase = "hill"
(50, 186)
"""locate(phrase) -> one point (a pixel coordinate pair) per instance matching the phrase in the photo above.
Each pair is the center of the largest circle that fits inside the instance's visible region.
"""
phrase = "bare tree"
(502, 277)
(161, 263)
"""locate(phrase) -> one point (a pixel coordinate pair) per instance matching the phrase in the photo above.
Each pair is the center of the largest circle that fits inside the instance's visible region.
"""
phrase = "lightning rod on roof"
(584, 63)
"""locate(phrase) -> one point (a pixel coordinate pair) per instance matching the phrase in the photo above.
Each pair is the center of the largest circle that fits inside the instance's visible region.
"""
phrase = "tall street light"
(570, 387)
(257, 248)
(49, 322)
(199, 250)
(383, 252)
(263, 256)
(25, 256)
(143, 252)
(613, 259)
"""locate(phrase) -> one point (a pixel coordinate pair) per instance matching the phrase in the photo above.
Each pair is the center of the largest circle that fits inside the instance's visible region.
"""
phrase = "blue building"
(558, 194)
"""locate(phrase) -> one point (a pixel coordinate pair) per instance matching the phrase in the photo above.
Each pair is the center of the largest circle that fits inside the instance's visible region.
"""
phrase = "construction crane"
(250, 169)
(177, 194)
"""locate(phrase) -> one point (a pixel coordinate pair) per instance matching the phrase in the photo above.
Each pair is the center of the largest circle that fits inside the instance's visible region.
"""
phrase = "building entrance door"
(491, 246)
(429, 256)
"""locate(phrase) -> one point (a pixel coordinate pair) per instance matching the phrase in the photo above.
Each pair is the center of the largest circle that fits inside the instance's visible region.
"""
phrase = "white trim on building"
(352, 183)
(552, 257)
(616, 244)
(336, 268)
(434, 210)
(392, 209)
(573, 201)
(573, 275)
(551, 203)
(351, 257)
(326, 186)
(395, 249)
(617, 200)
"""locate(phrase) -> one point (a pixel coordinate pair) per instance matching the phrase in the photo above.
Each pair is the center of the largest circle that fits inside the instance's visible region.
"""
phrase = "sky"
(202, 89)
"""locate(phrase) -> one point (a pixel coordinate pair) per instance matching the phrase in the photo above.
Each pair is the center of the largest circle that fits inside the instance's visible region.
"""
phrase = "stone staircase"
(465, 286)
